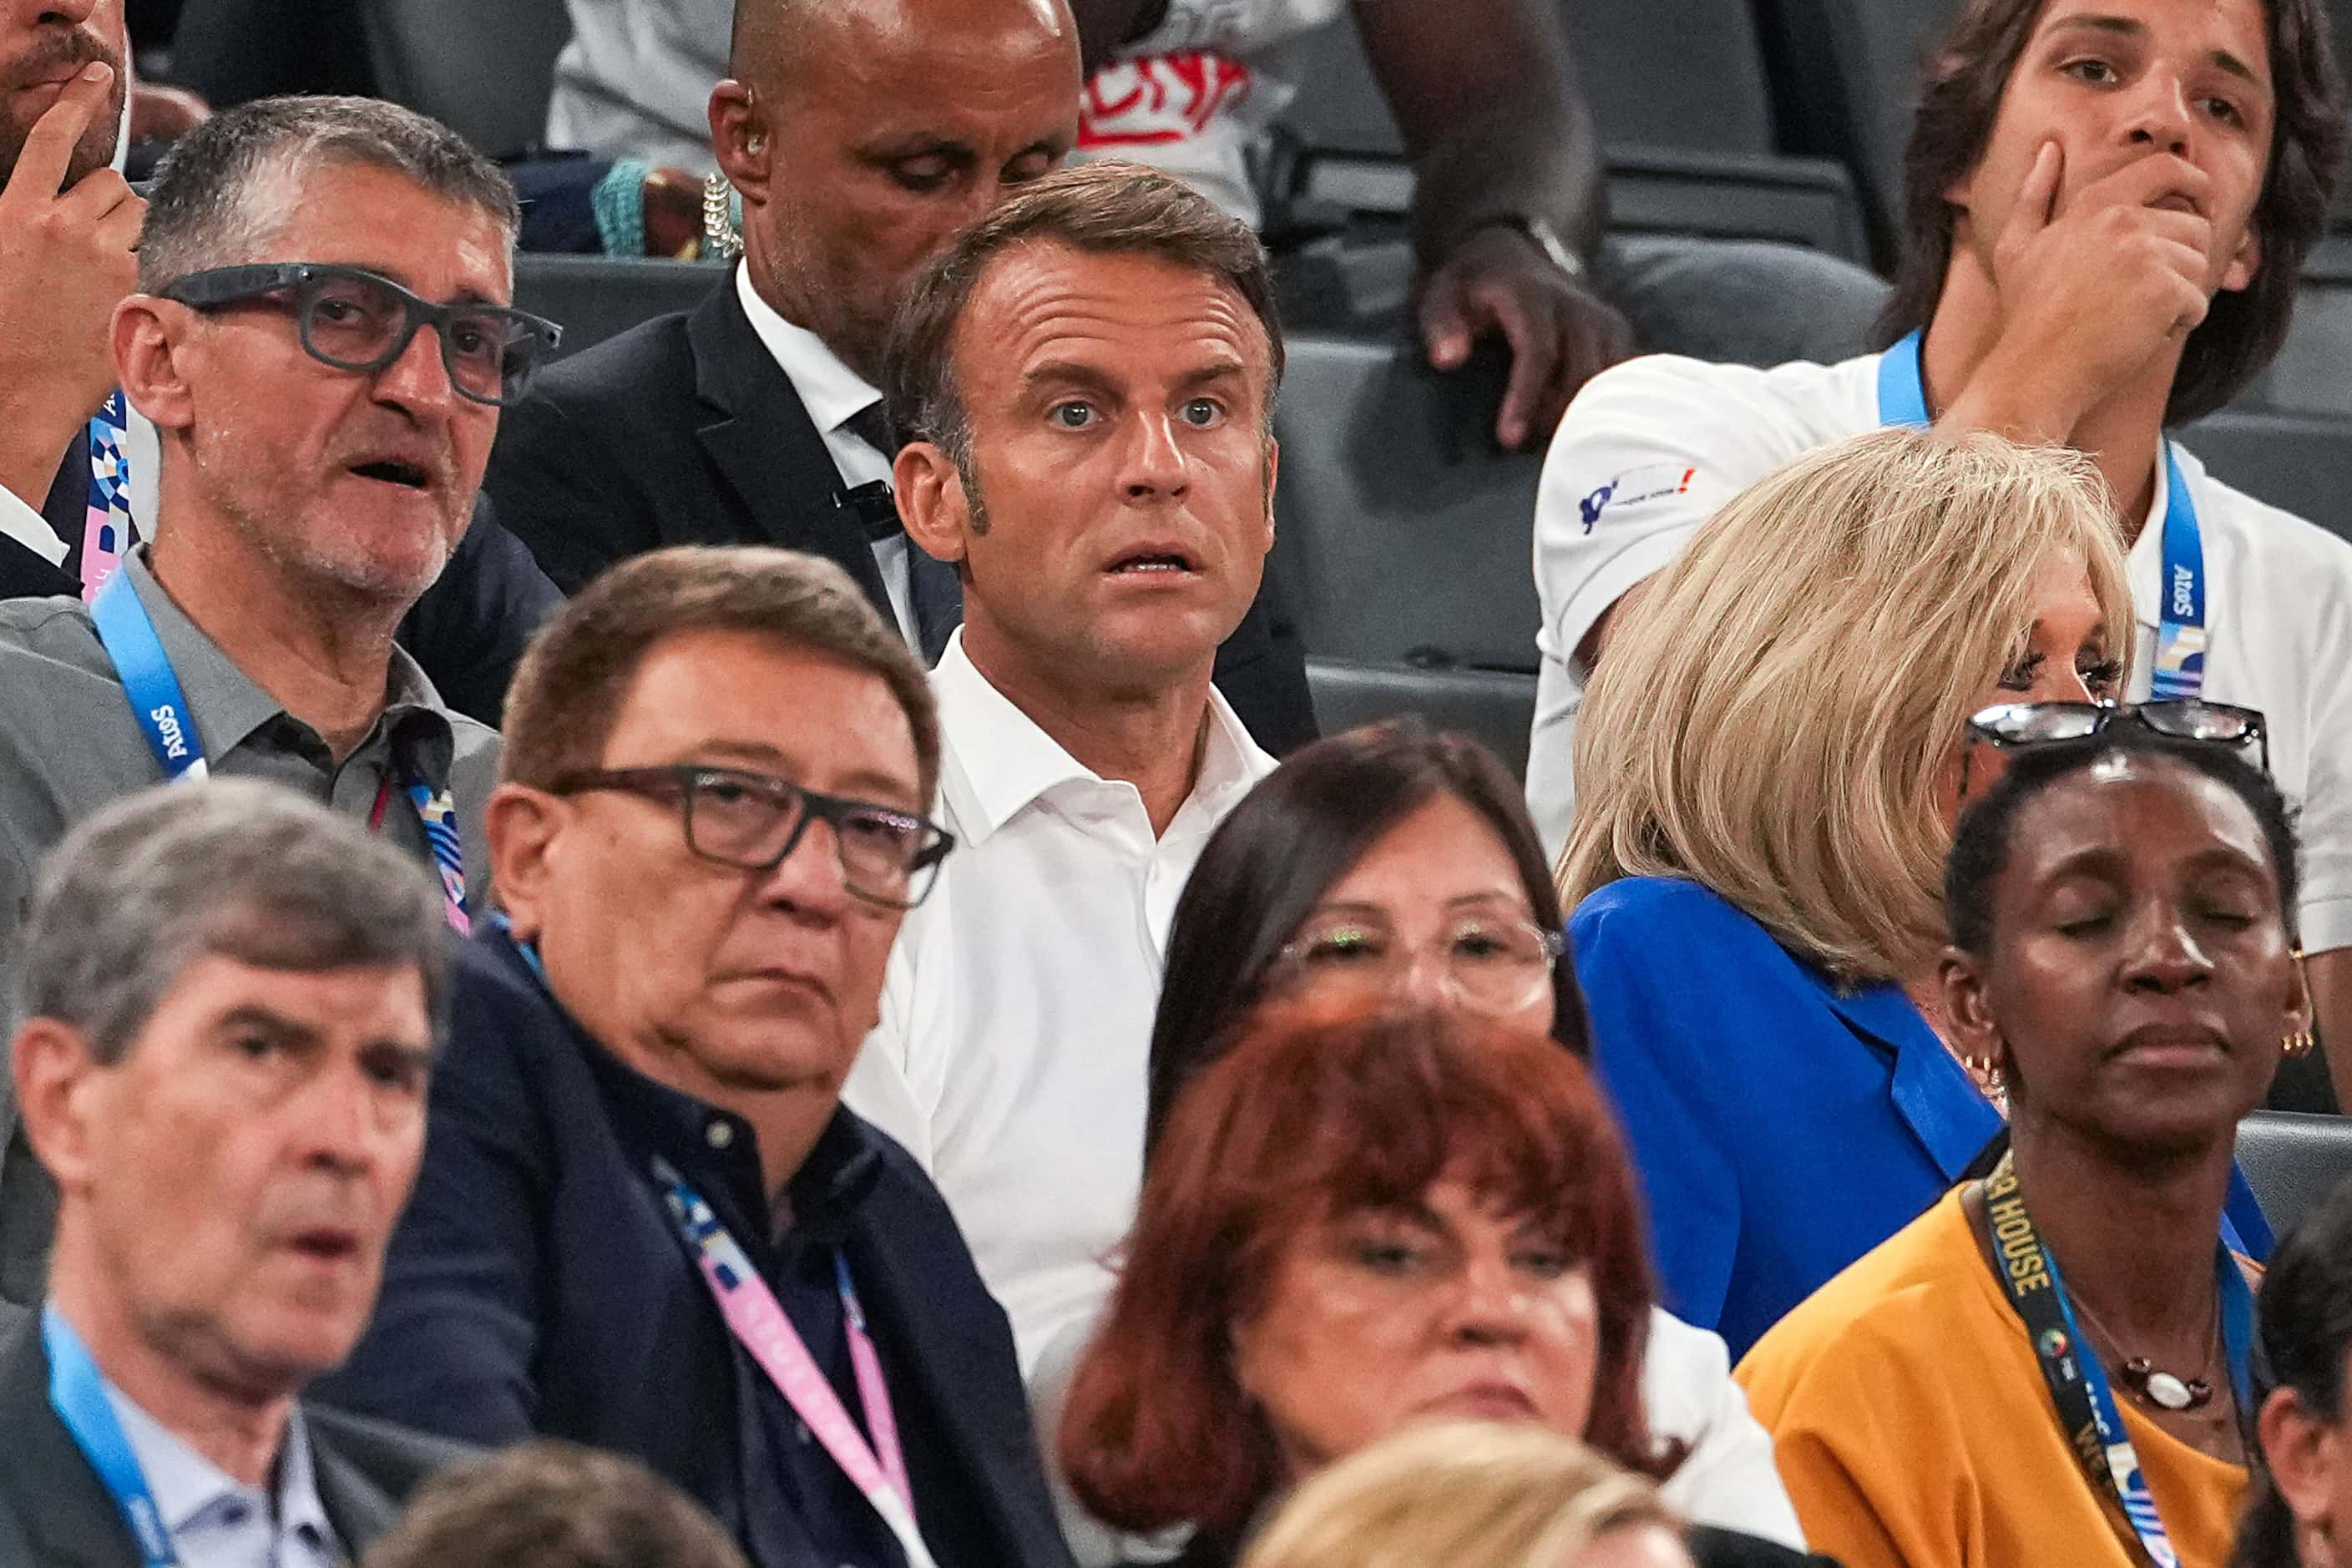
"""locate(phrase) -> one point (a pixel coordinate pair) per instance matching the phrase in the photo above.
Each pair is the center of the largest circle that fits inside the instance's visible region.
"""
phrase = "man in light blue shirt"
(229, 999)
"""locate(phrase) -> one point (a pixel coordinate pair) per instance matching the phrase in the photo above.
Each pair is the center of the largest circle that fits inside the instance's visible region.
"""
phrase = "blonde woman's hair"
(1776, 706)
(1467, 1492)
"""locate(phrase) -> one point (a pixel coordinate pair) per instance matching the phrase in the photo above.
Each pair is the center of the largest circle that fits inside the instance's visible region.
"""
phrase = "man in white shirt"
(232, 996)
(1089, 373)
(2118, 197)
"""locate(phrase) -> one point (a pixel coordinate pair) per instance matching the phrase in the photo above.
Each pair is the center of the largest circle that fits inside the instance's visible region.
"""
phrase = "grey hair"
(231, 869)
(210, 207)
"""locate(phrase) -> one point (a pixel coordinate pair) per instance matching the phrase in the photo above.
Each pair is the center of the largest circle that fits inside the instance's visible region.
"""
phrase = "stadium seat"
(2293, 1161)
(2307, 376)
(2296, 461)
(484, 66)
(597, 296)
(1670, 170)
(1494, 707)
(1645, 68)
(1846, 80)
(1404, 536)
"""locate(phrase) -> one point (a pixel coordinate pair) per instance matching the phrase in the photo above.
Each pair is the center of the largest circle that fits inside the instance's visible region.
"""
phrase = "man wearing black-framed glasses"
(303, 504)
(716, 811)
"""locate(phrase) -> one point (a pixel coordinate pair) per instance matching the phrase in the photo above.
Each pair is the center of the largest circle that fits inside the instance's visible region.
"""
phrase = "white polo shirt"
(1652, 447)
(1016, 1012)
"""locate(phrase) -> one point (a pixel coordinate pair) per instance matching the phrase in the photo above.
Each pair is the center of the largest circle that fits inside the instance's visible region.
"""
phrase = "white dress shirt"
(1651, 447)
(1016, 1013)
(218, 1521)
(834, 394)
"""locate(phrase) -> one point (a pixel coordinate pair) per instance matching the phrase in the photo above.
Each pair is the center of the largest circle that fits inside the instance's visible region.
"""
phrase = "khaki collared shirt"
(70, 745)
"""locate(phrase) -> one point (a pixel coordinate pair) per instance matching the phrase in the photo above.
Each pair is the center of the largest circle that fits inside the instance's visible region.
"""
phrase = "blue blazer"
(1780, 1127)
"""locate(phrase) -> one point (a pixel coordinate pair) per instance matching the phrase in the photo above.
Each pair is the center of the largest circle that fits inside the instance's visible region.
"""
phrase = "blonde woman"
(1472, 1493)
(1767, 768)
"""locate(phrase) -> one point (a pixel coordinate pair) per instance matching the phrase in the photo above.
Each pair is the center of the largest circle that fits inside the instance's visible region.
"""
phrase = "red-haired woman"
(1349, 1227)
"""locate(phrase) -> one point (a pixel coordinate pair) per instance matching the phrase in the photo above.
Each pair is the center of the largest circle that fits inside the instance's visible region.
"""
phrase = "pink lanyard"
(755, 1318)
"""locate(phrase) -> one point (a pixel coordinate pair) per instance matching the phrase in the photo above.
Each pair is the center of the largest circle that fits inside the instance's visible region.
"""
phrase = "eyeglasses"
(2013, 725)
(359, 321)
(1486, 962)
(2183, 718)
(751, 821)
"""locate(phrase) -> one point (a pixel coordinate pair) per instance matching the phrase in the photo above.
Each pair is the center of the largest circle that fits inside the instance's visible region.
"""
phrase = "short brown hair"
(551, 1504)
(1302, 1121)
(1106, 209)
(569, 688)
(1966, 81)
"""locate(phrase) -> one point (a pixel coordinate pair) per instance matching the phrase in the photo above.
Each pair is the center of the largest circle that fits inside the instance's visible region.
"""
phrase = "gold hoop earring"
(2300, 1043)
(721, 239)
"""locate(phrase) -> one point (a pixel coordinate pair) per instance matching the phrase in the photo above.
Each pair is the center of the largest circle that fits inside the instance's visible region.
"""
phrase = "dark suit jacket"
(686, 431)
(54, 1511)
(537, 1285)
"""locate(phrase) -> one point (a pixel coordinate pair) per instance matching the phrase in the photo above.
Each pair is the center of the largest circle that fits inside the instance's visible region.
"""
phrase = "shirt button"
(720, 1134)
(800, 1430)
(232, 1514)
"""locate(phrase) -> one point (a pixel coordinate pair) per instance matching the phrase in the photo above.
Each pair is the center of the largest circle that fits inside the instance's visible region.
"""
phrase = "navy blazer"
(537, 1285)
(1781, 1127)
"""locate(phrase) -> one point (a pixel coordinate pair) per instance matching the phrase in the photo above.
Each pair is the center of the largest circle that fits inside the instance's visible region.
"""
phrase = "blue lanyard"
(77, 1393)
(129, 636)
(2078, 1384)
(2180, 619)
(148, 680)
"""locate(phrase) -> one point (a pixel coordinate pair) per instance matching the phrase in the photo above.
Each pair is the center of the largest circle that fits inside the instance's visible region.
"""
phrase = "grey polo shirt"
(70, 745)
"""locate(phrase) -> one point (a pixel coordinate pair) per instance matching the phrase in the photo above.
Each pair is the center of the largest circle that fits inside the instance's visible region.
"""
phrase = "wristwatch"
(1544, 237)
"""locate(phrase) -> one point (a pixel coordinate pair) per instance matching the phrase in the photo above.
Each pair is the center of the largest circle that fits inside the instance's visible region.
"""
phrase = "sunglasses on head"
(359, 321)
(2015, 725)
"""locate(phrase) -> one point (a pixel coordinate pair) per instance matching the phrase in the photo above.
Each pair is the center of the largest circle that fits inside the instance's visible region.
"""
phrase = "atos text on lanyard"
(2181, 616)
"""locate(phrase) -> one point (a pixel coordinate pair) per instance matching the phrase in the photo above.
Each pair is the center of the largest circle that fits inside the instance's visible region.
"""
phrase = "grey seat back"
(597, 296)
(1495, 708)
(1404, 536)
(485, 67)
(2293, 1159)
(1686, 74)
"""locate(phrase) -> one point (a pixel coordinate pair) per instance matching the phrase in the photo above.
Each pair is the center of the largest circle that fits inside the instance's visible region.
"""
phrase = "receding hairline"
(750, 751)
(1254, 335)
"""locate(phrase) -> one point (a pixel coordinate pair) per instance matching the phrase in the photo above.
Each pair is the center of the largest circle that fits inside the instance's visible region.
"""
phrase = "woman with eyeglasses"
(1355, 1225)
(2054, 1364)
(1767, 768)
(1395, 864)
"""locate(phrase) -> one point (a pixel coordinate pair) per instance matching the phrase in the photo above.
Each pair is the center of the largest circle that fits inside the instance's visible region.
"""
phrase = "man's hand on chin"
(67, 255)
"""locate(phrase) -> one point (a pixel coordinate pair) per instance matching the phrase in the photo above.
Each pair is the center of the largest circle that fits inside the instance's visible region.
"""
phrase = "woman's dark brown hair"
(1273, 859)
(1300, 1124)
(1966, 82)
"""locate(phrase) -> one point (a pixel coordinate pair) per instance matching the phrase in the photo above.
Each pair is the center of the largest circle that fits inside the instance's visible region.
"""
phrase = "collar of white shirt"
(831, 392)
(1004, 762)
(215, 1518)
